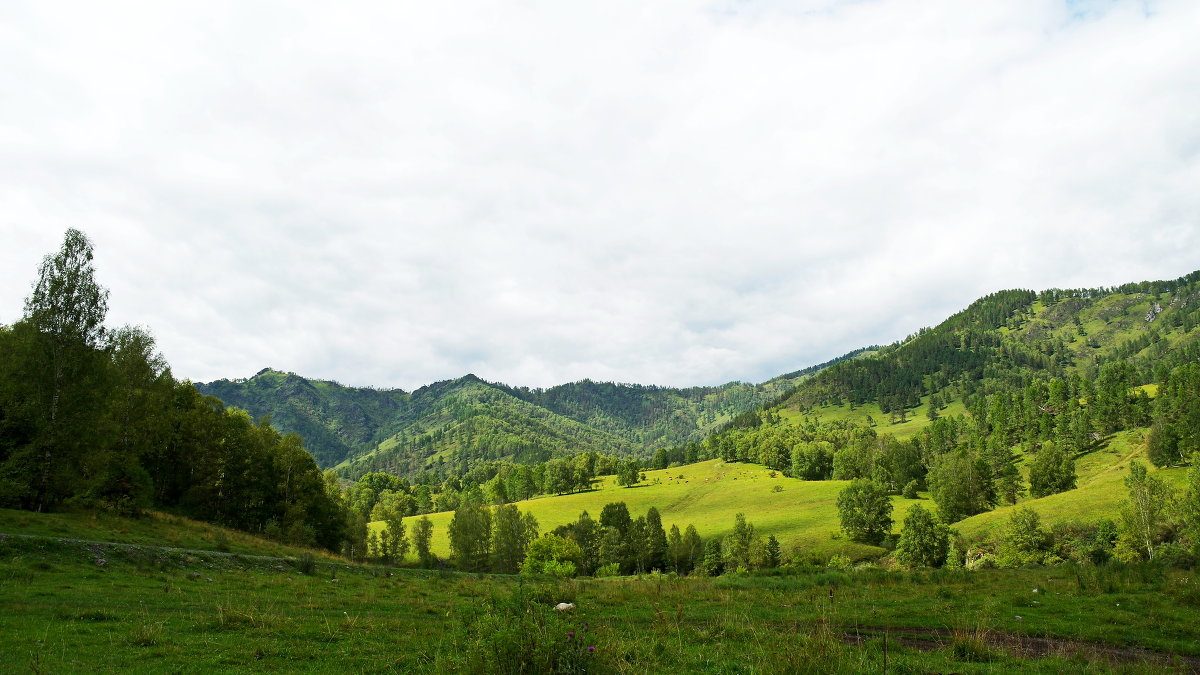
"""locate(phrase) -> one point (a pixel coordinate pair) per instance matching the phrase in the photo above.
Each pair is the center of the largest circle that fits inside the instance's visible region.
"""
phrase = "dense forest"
(91, 417)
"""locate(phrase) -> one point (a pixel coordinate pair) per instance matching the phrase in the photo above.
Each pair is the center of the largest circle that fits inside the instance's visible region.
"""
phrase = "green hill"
(1013, 374)
(803, 514)
(709, 495)
(469, 420)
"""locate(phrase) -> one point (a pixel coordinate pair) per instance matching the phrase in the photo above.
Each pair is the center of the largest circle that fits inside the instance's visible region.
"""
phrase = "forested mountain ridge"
(331, 418)
(997, 402)
(468, 420)
(1003, 340)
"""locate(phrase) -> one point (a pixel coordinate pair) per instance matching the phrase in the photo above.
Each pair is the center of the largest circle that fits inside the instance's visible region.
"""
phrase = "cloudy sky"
(669, 192)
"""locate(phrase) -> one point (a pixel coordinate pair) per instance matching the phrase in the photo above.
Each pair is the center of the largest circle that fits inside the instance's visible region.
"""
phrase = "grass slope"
(153, 529)
(866, 414)
(803, 514)
(1099, 493)
(709, 495)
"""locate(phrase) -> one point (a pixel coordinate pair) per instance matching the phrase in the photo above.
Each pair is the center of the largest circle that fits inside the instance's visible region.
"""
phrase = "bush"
(840, 562)
(306, 564)
(1174, 555)
(609, 570)
(910, 490)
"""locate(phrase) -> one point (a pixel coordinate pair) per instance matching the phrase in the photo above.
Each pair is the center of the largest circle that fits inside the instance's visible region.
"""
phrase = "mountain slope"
(1004, 340)
(333, 420)
(469, 420)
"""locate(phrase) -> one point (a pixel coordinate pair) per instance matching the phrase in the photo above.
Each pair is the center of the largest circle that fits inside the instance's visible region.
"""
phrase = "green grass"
(64, 613)
(1099, 493)
(917, 418)
(153, 529)
(803, 514)
(709, 495)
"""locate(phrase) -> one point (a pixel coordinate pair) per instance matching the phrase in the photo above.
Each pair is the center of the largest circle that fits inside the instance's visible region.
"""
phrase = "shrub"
(840, 562)
(609, 570)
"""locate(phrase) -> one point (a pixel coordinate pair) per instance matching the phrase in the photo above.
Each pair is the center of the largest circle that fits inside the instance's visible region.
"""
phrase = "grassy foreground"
(69, 609)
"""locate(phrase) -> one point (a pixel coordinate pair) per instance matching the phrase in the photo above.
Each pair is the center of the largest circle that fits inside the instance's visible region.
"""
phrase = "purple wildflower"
(591, 649)
(570, 635)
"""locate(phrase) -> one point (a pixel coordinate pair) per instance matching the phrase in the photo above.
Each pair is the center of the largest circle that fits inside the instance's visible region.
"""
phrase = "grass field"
(65, 611)
(709, 495)
(803, 514)
(1100, 488)
(917, 419)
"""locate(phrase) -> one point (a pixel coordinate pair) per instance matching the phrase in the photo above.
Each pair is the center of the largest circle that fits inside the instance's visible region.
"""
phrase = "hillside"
(708, 495)
(469, 420)
(803, 514)
(1003, 340)
(153, 530)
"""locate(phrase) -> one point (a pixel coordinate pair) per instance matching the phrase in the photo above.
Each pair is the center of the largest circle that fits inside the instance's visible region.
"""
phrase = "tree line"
(93, 418)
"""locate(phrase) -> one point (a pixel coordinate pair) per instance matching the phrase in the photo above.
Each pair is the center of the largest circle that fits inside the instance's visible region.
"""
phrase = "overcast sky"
(667, 192)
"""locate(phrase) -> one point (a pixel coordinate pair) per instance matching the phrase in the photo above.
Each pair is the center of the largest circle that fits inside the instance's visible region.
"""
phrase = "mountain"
(1000, 343)
(1003, 341)
(469, 420)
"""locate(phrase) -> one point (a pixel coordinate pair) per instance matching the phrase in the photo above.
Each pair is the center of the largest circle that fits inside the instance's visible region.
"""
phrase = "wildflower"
(570, 635)
(591, 649)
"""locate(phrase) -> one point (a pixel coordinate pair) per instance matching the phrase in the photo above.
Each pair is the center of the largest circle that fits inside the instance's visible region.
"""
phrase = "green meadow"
(869, 413)
(709, 495)
(73, 608)
(803, 514)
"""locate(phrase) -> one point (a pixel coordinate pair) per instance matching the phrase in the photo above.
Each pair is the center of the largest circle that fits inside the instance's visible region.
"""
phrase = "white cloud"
(674, 193)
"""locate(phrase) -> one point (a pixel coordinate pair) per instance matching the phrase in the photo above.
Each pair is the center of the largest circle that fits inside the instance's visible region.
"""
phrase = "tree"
(1051, 471)
(675, 550)
(141, 389)
(713, 561)
(390, 509)
(772, 554)
(740, 543)
(470, 533)
(692, 549)
(511, 535)
(1175, 434)
(961, 486)
(656, 541)
(661, 459)
(422, 536)
(1024, 540)
(865, 511)
(616, 515)
(1189, 505)
(62, 374)
(587, 533)
(628, 473)
(552, 554)
(1144, 513)
(559, 477)
(924, 541)
(812, 461)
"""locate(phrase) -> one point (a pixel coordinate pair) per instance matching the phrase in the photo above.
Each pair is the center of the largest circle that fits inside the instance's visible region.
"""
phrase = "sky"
(675, 193)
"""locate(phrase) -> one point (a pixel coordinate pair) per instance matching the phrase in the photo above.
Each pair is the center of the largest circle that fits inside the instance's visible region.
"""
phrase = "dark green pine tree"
(656, 541)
